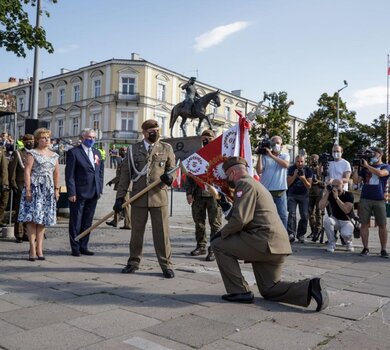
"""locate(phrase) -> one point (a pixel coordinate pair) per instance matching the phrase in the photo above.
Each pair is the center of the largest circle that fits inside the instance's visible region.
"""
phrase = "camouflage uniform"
(203, 202)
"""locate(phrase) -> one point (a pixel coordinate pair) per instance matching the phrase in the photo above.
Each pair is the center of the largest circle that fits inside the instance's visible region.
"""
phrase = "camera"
(324, 160)
(264, 143)
(329, 188)
(300, 172)
(364, 153)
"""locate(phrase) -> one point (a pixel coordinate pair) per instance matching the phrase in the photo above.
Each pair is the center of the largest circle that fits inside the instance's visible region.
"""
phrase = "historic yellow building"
(114, 97)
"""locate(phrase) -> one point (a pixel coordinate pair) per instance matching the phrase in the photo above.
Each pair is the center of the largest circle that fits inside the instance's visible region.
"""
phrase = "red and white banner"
(207, 162)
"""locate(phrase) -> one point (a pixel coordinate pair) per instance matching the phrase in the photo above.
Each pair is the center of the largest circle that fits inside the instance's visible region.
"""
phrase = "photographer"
(272, 166)
(315, 194)
(299, 180)
(340, 205)
(339, 169)
(374, 177)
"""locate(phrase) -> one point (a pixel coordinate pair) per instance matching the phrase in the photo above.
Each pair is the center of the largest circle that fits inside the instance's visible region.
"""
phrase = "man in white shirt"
(339, 169)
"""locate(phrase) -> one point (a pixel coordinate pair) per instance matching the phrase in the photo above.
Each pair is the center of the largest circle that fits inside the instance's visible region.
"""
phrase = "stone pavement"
(86, 303)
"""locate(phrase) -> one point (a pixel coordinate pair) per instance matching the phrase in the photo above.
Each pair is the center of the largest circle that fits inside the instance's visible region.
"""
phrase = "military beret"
(149, 124)
(233, 161)
(28, 137)
(377, 150)
(208, 132)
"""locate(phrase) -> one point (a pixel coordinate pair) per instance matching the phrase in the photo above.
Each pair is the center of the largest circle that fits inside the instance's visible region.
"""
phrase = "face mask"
(314, 163)
(88, 143)
(276, 148)
(28, 145)
(205, 142)
(373, 160)
(153, 136)
(336, 155)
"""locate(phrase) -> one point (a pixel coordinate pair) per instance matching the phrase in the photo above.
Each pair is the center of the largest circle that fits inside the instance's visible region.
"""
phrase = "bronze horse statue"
(198, 111)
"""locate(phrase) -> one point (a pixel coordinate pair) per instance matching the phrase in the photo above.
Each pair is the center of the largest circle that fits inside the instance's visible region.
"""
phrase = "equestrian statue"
(193, 107)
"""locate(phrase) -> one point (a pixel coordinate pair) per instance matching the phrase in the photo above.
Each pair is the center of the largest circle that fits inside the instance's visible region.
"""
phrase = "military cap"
(149, 124)
(208, 132)
(28, 137)
(377, 150)
(233, 161)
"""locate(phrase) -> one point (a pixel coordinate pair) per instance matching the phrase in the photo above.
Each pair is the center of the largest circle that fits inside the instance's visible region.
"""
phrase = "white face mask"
(336, 155)
(276, 148)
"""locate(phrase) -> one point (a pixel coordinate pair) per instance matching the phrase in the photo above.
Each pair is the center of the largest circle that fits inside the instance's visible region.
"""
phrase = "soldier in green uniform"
(255, 233)
(202, 204)
(16, 180)
(145, 162)
(4, 184)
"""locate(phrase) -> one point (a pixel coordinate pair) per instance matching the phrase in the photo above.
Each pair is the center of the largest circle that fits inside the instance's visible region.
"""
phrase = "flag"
(206, 163)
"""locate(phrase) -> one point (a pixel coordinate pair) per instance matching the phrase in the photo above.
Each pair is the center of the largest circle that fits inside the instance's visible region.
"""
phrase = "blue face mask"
(88, 143)
(373, 160)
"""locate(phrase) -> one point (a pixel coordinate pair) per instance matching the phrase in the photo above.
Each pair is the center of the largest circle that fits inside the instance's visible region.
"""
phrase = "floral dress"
(42, 208)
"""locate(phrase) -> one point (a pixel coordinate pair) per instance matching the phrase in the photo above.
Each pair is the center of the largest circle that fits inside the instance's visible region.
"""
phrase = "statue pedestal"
(184, 146)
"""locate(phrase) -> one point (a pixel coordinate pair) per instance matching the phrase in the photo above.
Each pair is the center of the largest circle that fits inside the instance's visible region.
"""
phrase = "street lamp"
(338, 112)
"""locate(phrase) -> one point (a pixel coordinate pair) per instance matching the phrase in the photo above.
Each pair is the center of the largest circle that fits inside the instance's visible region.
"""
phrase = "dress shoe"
(76, 254)
(246, 298)
(111, 223)
(319, 293)
(199, 251)
(130, 269)
(41, 257)
(210, 256)
(86, 252)
(32, 258)
(125, 228)
(168, 273)
(19, 240)
(25, 239)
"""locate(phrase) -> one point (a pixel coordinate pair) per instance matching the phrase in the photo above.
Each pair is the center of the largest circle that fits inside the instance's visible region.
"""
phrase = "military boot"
(210, 256)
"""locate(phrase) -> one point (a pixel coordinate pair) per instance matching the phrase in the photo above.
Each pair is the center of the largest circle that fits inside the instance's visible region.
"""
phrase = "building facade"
(114, 97)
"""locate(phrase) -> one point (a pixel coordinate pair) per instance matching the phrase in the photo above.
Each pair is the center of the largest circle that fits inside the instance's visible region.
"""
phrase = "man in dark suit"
(84, 181)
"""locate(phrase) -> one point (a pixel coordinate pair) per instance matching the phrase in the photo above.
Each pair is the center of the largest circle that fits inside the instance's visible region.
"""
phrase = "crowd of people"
(261, 219)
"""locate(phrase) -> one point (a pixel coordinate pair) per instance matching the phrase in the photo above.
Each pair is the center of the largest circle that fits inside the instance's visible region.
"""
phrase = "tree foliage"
(276, 122)
(17, 34)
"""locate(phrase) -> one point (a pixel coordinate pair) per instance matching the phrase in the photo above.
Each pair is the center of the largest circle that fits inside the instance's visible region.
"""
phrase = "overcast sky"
(303, 47)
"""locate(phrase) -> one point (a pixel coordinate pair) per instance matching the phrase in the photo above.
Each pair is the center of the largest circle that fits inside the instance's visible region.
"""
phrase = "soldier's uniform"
(256, 234)
(4, 184)
(142, 166)
(16, 180)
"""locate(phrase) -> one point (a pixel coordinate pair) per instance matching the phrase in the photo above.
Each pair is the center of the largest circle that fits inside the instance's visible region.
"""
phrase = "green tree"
(319, 133)
(16, 32)
(276, 122)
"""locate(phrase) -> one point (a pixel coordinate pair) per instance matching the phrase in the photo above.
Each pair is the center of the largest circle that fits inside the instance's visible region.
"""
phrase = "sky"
(303, 47)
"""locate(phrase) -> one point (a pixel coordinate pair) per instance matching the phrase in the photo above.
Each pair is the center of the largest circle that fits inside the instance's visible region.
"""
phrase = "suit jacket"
(16, 171)
(82, 179)
(254, 216)
(3, 168)
(161, 160)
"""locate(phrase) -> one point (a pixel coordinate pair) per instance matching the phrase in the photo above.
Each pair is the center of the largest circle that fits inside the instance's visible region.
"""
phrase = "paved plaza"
(85, 302)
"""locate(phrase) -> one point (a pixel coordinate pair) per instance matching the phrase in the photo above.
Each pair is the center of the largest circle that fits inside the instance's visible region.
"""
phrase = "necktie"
(150, 149)
(90, 156)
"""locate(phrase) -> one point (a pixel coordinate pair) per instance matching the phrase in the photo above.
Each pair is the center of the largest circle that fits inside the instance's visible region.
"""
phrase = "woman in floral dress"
(41, 191)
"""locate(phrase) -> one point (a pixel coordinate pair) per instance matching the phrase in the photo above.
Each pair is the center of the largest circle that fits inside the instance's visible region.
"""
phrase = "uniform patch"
(239, 194)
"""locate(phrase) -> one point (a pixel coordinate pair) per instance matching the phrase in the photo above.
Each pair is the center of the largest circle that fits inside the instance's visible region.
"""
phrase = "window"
(161, 121)
(227, 113)
(161, 92)
(213, 108)
(76, 93)
(48, 124)
(20, 130)
(128, 86)
(127, 121)
(97, 87)
(75, 126)
(61, 95)
(60, 131)
(49, 96)
(21, 104)
(95, 121)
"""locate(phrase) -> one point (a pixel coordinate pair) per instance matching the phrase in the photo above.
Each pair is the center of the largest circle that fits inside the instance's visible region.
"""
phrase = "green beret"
(233, 161)
(149, 124)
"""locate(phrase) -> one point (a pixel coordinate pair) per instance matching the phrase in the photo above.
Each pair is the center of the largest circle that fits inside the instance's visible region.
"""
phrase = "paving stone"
(187, 330)
(162, 308)
(351, 305)
(351, 272)
(136, 341)
(271, 336)
(113, 323)
(224, 344)
(39, 316)
(57, 336)
(6, 306)
(371, 288)
(238, 315)
(8, 328)
(382, 279)
(84, 287)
